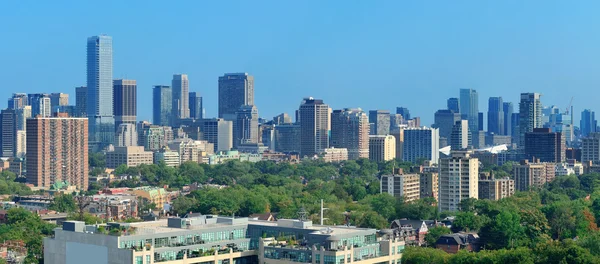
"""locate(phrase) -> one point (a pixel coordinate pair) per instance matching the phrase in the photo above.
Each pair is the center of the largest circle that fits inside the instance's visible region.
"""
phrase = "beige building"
(429, 184)
(192, 150)
(590, 148)
(382, 148)
(496, 189)
(350, 130)
(527, 175)
(57, 151)
(402, 185)
(458, 177)
(170, 157)
(335, 154)
(399, 137)
(131, 156)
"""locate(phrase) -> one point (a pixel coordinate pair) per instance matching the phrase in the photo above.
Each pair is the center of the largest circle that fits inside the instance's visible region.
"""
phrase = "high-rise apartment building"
(40, 105)
(536, 174)
(588, 123)
(22, 115)
(154, 137)
(421, 143)
(81, 101)
(181, 88)
(406, 186)
(404, 112)
(469, 108)
(245, 126)
(545, 145)
(444, 120)
(460, 138)
(458, 180)
(286, 137)
(100, 92)
(57, 100)
(161, 105)
(429, 185)
(382, 148)
(496, 116)
(18, 100)
(350, 130)
(219, 132)
(57, 151)
(453, 105)
(126, 135)
(496, 189)
(590, 148)
(530, 115)
(196, 107)
(125, 101)
(380, 122)
(235, 90)
(8, 133)
(314, 124)
(507, 110)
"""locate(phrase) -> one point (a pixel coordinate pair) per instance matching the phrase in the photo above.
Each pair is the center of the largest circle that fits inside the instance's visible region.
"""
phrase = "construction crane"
(568, 110)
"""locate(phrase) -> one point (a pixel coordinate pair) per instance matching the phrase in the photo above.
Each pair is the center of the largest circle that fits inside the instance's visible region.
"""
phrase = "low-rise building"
(496, 189)
(224, 156)
(169, 157)
(335, 154)
(131, 156)
(406, 186)
(536, 174)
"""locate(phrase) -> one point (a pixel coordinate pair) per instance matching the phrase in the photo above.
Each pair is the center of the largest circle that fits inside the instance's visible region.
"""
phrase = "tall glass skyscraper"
(507, 107)
(181, 104)
(530, 115)
(100, 92)
(588, 122)
(162, 105)
(496, 116)
(469, 108)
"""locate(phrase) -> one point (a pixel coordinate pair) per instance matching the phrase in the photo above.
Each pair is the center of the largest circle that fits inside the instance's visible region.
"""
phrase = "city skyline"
(358, 50)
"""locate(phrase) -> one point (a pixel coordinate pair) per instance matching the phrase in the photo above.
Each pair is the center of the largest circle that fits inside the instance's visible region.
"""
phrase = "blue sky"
(368, 54)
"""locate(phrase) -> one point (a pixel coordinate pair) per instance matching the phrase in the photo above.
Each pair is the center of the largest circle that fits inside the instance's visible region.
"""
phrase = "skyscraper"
(245, 127)
(235, 90)
(421, 143)
(58, 99)
(507, 108)
(404, 112)
(314, 123)
(460, 138)
(81, 101)
(196, 107)
(350, 130)
(100, 92)
(181, 89)
(219, 132)
(8, 133)
(469, 108)
(126, 135)
(380, 120)
(125, 101)
(496, 116)
(445, 120)
(545, 145)
(18, 100)
(161, 105)
(382, 148)
(458, 180)
(588, 122)
(453, 105)
(57, 151)
(530, 115)
(40, 105)
(286, 138)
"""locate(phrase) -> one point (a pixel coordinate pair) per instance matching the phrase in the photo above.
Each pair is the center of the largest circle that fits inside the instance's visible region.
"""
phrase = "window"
(139, 260)
(148, 259)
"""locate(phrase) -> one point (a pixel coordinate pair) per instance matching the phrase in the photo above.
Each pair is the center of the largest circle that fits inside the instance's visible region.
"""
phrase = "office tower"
(8, 136)
(161, 105)
(245, 126)
(469, 108)
(196, 107)
(17, 101)
(219, 132)
(180, 87)
(590, 148)
(81, 101)
(406, 186)
(58, 99)
(126, 135)
(396, 122)
(22, 115)
(281, 119)
(154, 137)
(460, 138)
(399, 138)
(458, 180)
(534, 174)
(480, 120)
(382, 148)
(125, 101)
(588, 123)
(350, 130)
(235, 90)
(453, 105)
(314, 133)
(530, 115)
(404, 112)
(57, 151)
(514, 123)
(496, 116)
(429, 185)
(496, 189)
(286, 138)
(445, 120)
(380, 120)
(131, 156)
(421, 143)
(545, 145)
(99, 105)
(40, 105)
(507, 110)
(21, 147)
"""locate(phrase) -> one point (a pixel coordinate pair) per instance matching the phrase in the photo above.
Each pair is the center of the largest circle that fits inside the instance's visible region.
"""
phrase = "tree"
(503, 231)
(468, 221)
(435, 233)
(63, 203)
(183, 205)
(421, 255)
(383, 204)
(372, 219)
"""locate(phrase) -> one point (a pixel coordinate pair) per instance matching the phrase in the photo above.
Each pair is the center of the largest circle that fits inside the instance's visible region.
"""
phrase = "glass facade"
(100, 91)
